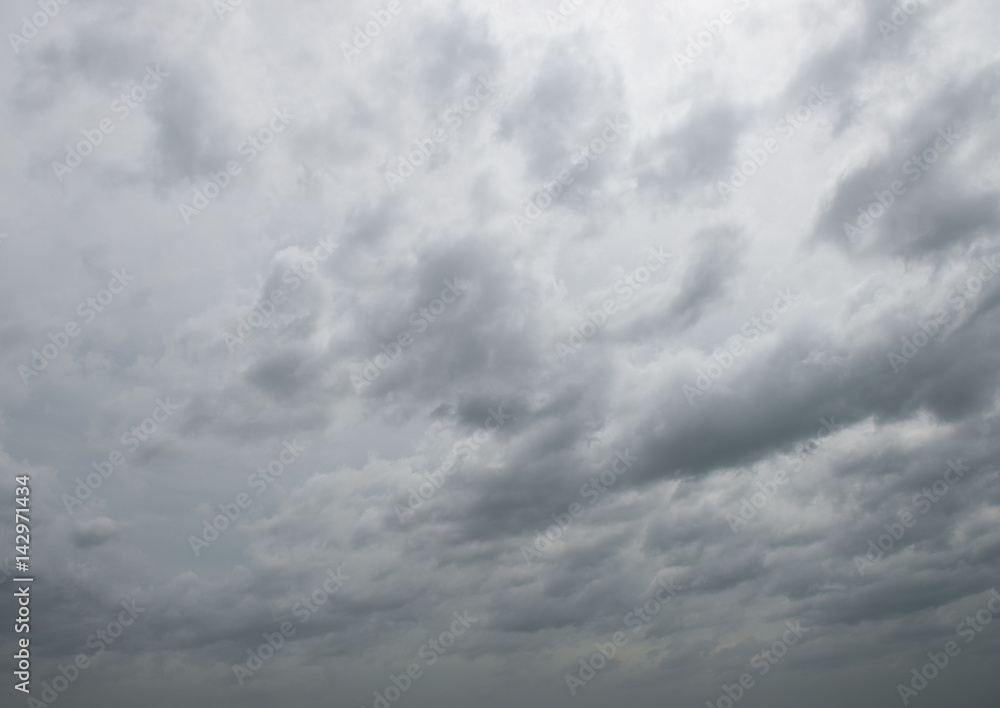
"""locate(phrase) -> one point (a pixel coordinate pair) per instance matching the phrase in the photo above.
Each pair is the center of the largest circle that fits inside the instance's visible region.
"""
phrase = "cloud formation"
(353, 330)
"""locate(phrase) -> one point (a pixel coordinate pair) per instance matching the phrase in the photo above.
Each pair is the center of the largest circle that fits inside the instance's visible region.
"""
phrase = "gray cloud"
(785, 389)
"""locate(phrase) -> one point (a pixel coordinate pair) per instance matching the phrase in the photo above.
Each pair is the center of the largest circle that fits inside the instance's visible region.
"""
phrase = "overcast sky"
(502, 353)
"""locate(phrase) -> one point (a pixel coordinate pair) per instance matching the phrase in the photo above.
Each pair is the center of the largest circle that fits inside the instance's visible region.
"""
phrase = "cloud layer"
(423, 353)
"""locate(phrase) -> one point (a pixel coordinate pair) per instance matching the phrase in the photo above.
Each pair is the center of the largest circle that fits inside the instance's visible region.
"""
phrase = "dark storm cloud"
(695, 152)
